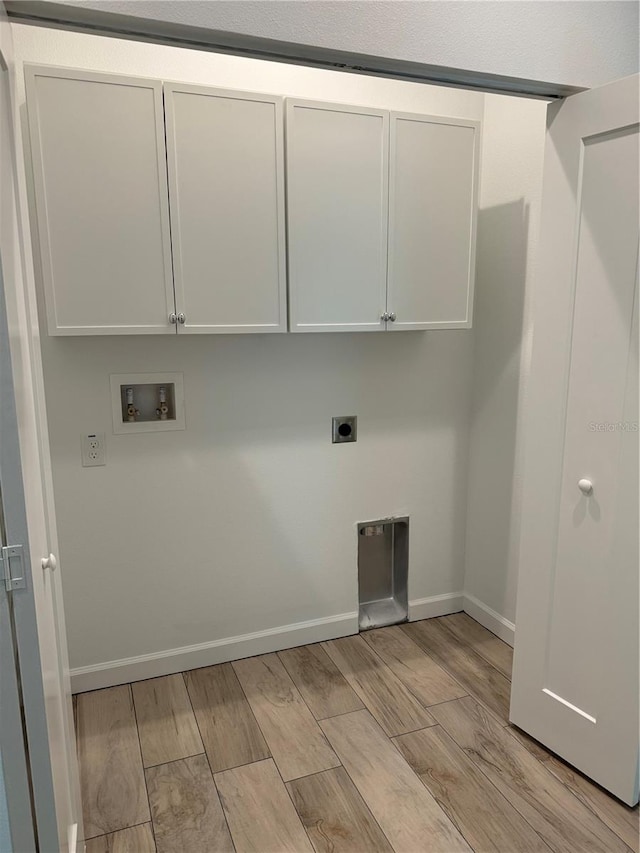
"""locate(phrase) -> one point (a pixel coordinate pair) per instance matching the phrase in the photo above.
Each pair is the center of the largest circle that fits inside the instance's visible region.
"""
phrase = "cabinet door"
(226, 182)
(337, 185)
(432, 221)
(101, 202)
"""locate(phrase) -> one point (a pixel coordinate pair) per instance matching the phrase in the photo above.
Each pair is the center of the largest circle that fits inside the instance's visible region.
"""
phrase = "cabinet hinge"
(12, 563)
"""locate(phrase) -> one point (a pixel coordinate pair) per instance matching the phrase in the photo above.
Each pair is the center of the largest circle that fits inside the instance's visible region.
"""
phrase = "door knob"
(585, 486)
(49, 562)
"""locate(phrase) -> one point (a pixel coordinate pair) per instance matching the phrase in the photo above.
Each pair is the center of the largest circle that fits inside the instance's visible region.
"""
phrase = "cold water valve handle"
(132, 412)
(162, 412)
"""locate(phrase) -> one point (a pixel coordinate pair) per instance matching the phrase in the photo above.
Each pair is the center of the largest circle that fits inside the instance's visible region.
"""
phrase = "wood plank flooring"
(112, 783)
(428, 681)
(259, 810)
(290, 729)
(335, 815)
(382, 692)
(185, 808)
(563, 822)
(405, 810)
(166, 724)
(469, 668)
(135, 839)
(229, 730)
(486, 644)
(322, 685)
(394, 741)
(480, 812)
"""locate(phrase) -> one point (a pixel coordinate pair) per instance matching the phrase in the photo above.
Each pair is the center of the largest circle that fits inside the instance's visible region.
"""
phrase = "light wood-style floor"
(393, 740)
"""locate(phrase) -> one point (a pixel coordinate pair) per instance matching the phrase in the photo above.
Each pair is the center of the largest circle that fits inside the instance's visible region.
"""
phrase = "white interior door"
(38, 631)
(575, 678)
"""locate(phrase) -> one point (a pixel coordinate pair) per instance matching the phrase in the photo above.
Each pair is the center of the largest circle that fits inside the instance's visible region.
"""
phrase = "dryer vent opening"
(383, 565)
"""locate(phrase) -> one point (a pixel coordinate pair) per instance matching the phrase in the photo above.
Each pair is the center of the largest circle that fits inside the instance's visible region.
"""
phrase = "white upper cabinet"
(101, 201)
(433, 189)
(352, 173)
(226, 180)
(163, 211)
(337, 193)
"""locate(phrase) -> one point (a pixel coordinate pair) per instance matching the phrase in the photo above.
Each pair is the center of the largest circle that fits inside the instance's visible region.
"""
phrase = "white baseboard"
(435, 605)
(205, 654)
(169, 661)
(491, 620)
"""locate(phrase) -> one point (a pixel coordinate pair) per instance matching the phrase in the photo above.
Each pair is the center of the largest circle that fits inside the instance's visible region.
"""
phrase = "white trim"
(491, 620)
(218, 651)
(435, 605)
(169, 661)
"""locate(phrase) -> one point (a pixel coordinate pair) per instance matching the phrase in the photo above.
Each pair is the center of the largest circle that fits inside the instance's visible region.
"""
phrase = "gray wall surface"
(5, 835)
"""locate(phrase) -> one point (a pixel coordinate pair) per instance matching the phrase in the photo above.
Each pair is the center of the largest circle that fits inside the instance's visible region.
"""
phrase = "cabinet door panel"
(226, 181)
(101, 201)
(432, 219)
(337, 184)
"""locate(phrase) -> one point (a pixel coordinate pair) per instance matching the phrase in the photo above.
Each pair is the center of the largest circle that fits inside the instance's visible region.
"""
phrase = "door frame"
(13, 749)
(37, 621)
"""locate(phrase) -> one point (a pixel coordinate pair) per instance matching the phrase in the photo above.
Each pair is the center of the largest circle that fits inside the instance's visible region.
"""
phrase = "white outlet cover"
(93, 450)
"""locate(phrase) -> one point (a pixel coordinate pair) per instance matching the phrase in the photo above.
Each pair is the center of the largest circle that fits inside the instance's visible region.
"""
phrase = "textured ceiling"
(580, 43)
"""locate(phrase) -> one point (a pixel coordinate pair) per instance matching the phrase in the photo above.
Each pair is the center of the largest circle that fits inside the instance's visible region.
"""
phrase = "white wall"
(514, 130)
(245, 521)
(581, 43)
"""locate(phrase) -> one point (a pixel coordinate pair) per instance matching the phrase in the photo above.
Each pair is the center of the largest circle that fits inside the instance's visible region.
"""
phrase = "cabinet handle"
(585, 486)
(173, 319)
(392, 317)
(384, 317)
(181, 319)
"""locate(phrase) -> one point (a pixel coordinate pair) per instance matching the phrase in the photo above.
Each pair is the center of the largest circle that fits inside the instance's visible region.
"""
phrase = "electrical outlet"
(93, 450)
(344, 428)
